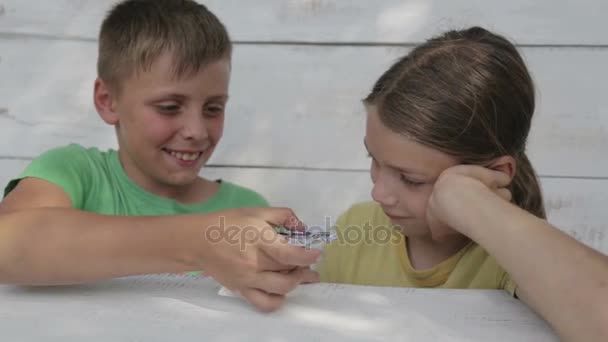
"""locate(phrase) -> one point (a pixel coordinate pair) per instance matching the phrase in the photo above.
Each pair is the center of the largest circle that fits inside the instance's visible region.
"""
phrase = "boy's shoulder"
(72, 153)
(72, 158)
(67, 166)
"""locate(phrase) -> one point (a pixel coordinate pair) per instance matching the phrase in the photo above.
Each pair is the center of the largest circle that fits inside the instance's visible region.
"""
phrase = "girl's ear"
(506, 164)
(104, 101)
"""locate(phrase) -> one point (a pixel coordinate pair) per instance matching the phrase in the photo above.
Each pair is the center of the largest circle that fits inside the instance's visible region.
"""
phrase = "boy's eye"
(214, 110)
(410, 182)
(169, 108)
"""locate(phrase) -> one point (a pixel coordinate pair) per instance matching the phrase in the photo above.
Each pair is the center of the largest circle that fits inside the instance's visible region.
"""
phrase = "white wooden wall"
(295, 124)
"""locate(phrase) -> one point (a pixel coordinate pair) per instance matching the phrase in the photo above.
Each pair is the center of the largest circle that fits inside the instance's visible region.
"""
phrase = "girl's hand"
(456, 193)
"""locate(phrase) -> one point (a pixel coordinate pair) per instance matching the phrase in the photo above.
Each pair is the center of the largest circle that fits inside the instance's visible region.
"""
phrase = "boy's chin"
(182, 180)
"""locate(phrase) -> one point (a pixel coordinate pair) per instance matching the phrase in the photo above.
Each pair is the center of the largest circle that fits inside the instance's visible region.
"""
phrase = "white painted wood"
(158, 308)
(387, 21)
(296, 106)
(575, 206)
(319, 197)
(10, 169)
(578, 207)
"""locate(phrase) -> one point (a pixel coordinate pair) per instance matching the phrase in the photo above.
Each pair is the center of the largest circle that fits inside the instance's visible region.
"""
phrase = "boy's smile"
(167, 126)
(184, 158)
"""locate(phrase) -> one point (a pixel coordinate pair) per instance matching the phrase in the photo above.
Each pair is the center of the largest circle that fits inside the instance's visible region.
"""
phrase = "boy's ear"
(506, 164)
(104, 102)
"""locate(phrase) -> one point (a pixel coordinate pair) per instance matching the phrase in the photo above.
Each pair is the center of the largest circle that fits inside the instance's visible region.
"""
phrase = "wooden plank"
(576, 206)
(296, 106)
(10, 168)
(387, 21)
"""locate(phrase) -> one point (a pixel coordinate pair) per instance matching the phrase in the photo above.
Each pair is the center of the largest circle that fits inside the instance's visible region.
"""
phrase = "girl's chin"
(411, 230)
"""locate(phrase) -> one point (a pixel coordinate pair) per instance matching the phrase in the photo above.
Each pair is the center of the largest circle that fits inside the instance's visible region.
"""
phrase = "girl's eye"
(410, 182)
(405, 180)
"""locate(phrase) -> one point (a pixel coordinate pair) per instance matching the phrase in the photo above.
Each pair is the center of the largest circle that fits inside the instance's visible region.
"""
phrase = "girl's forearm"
(563, 280)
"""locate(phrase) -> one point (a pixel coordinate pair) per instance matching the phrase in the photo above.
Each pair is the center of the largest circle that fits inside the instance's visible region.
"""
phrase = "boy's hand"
(245, 254)
(456, 194)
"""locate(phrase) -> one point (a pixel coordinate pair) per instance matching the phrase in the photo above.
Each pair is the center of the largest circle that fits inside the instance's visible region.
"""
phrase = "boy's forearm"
(62, 246)
(565, 281)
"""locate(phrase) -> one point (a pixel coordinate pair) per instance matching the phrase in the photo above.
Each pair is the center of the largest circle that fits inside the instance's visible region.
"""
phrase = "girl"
(446, 132)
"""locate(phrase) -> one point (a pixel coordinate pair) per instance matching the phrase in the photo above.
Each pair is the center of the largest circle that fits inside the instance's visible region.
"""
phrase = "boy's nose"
(194, 127)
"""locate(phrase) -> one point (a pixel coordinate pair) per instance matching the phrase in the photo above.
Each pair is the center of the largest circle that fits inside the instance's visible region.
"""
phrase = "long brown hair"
(467, 93)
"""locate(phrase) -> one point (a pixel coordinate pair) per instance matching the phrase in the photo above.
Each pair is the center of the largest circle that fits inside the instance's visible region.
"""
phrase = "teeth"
(185, 156)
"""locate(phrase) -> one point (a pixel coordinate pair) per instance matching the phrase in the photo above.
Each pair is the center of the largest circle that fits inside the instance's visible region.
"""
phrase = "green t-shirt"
(96, 182)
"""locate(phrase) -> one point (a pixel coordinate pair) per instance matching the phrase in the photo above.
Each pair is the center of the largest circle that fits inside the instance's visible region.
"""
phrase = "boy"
(78, 214)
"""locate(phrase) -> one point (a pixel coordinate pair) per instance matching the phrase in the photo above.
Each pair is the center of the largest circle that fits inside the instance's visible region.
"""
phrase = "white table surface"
(188, 308)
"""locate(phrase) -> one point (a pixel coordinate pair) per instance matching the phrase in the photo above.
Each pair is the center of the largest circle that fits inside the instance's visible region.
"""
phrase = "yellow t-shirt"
(369, 251)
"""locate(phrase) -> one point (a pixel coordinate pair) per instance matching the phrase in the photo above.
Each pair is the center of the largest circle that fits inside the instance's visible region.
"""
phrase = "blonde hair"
(136, 32)
(469, 94)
